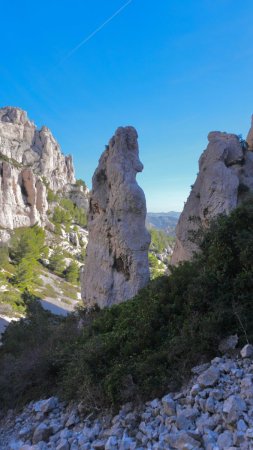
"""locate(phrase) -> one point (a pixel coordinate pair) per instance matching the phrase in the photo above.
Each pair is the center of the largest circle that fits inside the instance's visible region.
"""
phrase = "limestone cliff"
(225, 178)
(117, 254)
(30, 159)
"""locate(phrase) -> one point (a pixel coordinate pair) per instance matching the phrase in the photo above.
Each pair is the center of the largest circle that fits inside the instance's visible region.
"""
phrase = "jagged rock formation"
(117, 253)
(78, 195)
(224, 180)
(29, 159)
(21, 141)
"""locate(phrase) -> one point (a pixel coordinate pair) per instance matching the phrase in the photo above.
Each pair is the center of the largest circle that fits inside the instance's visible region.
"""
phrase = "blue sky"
(173, 69)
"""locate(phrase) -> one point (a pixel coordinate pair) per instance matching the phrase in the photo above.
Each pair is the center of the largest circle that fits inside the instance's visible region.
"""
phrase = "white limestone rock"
(29, 158)
(216, 418)
(23, 197)
(117, 253)
(22, 142)
(247, 351)
(209, 377)
(224, 179)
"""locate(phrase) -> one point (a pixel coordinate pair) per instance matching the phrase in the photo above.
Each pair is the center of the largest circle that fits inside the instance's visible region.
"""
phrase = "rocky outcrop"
(22, 142)
(23, 197)
(117, 253)
(30, 159)
(225, 178)
(78, 195)
(213, 412)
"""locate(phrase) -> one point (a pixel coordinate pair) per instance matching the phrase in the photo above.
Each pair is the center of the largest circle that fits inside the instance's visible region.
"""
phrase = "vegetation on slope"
(161, 247)
(22, 268)
(145, 346)
(160, 240)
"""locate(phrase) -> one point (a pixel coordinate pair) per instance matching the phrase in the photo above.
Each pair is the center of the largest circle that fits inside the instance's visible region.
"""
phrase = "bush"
(145, 346)
(68, 212)
(12, 301)
(26, 369)
(61, 216)
(57, 262)
(28, 243)
(25, 274)
(155, 269)
(72, 272)
(80, 182)
(4, 255)
(160, 240)
(51, 196)
(27, 247)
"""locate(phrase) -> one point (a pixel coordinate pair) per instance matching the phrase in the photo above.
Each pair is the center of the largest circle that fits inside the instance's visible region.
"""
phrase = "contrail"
(91, 35)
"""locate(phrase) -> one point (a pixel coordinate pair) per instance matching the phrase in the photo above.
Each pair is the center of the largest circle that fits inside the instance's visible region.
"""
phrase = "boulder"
(233, 408)
(247, 351)
(209, 377)
(42, 433)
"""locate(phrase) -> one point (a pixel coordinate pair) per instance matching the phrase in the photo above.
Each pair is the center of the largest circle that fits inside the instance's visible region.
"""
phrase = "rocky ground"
(214, 412)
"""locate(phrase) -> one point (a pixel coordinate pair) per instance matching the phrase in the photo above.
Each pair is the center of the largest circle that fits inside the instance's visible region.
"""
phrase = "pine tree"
(25, 274)
(56, 262)
(72, 272)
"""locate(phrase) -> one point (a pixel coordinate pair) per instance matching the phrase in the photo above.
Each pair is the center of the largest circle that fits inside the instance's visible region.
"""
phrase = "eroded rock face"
(23, 197)
(28, 158)
(224, 180)
(117, 253)
(21, 141)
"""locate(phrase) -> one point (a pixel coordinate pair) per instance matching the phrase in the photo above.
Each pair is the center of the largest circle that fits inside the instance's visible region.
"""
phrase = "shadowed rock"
(117, 253)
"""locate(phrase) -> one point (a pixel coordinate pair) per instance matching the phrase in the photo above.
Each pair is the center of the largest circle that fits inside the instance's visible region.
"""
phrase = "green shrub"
(28, 243)
(57, 262)
(27, 247)
(14, 300)
(145, 346)
(25, 276)
(155, 270)
(58, 229)
(51, 196)
(80, 182)
(61, 216)
(160, 240)
(4, 255)
(72, 272)
(68, 212)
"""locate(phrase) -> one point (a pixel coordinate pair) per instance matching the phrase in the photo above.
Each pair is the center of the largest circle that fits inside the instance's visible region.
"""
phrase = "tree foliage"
(155, 270)
(25, 275)
(160, 240)
(81, 182)
(4, 255)
(28, 243)
(68, 212)
(27, 247)
(72, 272)
(57, 262)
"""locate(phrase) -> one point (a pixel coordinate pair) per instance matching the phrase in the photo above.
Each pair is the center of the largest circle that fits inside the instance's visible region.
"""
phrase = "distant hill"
(163, 221)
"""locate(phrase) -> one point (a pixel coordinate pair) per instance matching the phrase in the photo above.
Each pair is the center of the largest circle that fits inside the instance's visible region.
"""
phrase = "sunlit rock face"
(117, 253)
(30, 159)
(224, 180)
(21, 141)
